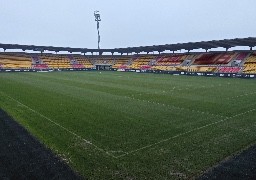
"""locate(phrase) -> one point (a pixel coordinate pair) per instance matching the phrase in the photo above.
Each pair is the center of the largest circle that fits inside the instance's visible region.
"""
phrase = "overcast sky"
(125, 23)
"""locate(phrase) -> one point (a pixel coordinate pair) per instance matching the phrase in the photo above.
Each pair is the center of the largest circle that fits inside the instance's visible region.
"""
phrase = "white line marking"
(176, 107)
(109, 153)
(181, 134)
(62, 127)
(242, 95)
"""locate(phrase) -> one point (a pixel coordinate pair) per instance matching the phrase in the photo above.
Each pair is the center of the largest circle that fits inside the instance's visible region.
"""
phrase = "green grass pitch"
(115, 125)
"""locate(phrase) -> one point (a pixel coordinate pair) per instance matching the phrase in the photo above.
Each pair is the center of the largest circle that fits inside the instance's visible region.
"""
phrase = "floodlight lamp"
(97, 16)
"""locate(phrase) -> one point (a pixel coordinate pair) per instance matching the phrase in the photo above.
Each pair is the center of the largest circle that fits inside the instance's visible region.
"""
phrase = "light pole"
(97, 19)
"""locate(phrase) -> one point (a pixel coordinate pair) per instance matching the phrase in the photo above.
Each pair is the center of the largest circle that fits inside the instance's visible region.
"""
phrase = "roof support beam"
(226, 43)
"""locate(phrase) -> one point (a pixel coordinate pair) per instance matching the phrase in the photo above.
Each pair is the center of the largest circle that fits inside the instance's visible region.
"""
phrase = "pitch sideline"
(62, 127)
(136, 150)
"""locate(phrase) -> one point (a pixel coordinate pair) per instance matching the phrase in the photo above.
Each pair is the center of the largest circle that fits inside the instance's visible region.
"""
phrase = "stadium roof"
(226, 43)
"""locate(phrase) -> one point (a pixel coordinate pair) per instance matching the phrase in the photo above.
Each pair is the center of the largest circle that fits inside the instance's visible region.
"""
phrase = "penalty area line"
(60, 126)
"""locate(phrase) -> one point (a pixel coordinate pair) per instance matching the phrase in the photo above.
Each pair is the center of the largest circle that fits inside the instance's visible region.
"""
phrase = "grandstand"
(83, 61)
(141, 62)
(15, 61)
(121, 62)
(250, 64)
(56, 61)
(227, 62)
(231, 62)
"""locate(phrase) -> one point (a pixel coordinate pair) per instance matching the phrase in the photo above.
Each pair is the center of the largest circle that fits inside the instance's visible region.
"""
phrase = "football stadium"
(172, 111)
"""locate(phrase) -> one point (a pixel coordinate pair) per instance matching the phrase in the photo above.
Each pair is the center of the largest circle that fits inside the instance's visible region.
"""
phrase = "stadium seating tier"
(226, 62)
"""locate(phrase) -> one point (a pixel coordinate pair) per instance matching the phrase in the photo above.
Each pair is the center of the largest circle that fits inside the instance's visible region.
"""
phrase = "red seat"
(40, 66)
(77, 66)
(229, 69)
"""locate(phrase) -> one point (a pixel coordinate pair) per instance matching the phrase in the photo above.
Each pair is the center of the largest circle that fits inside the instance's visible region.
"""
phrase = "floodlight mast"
(97, 19)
